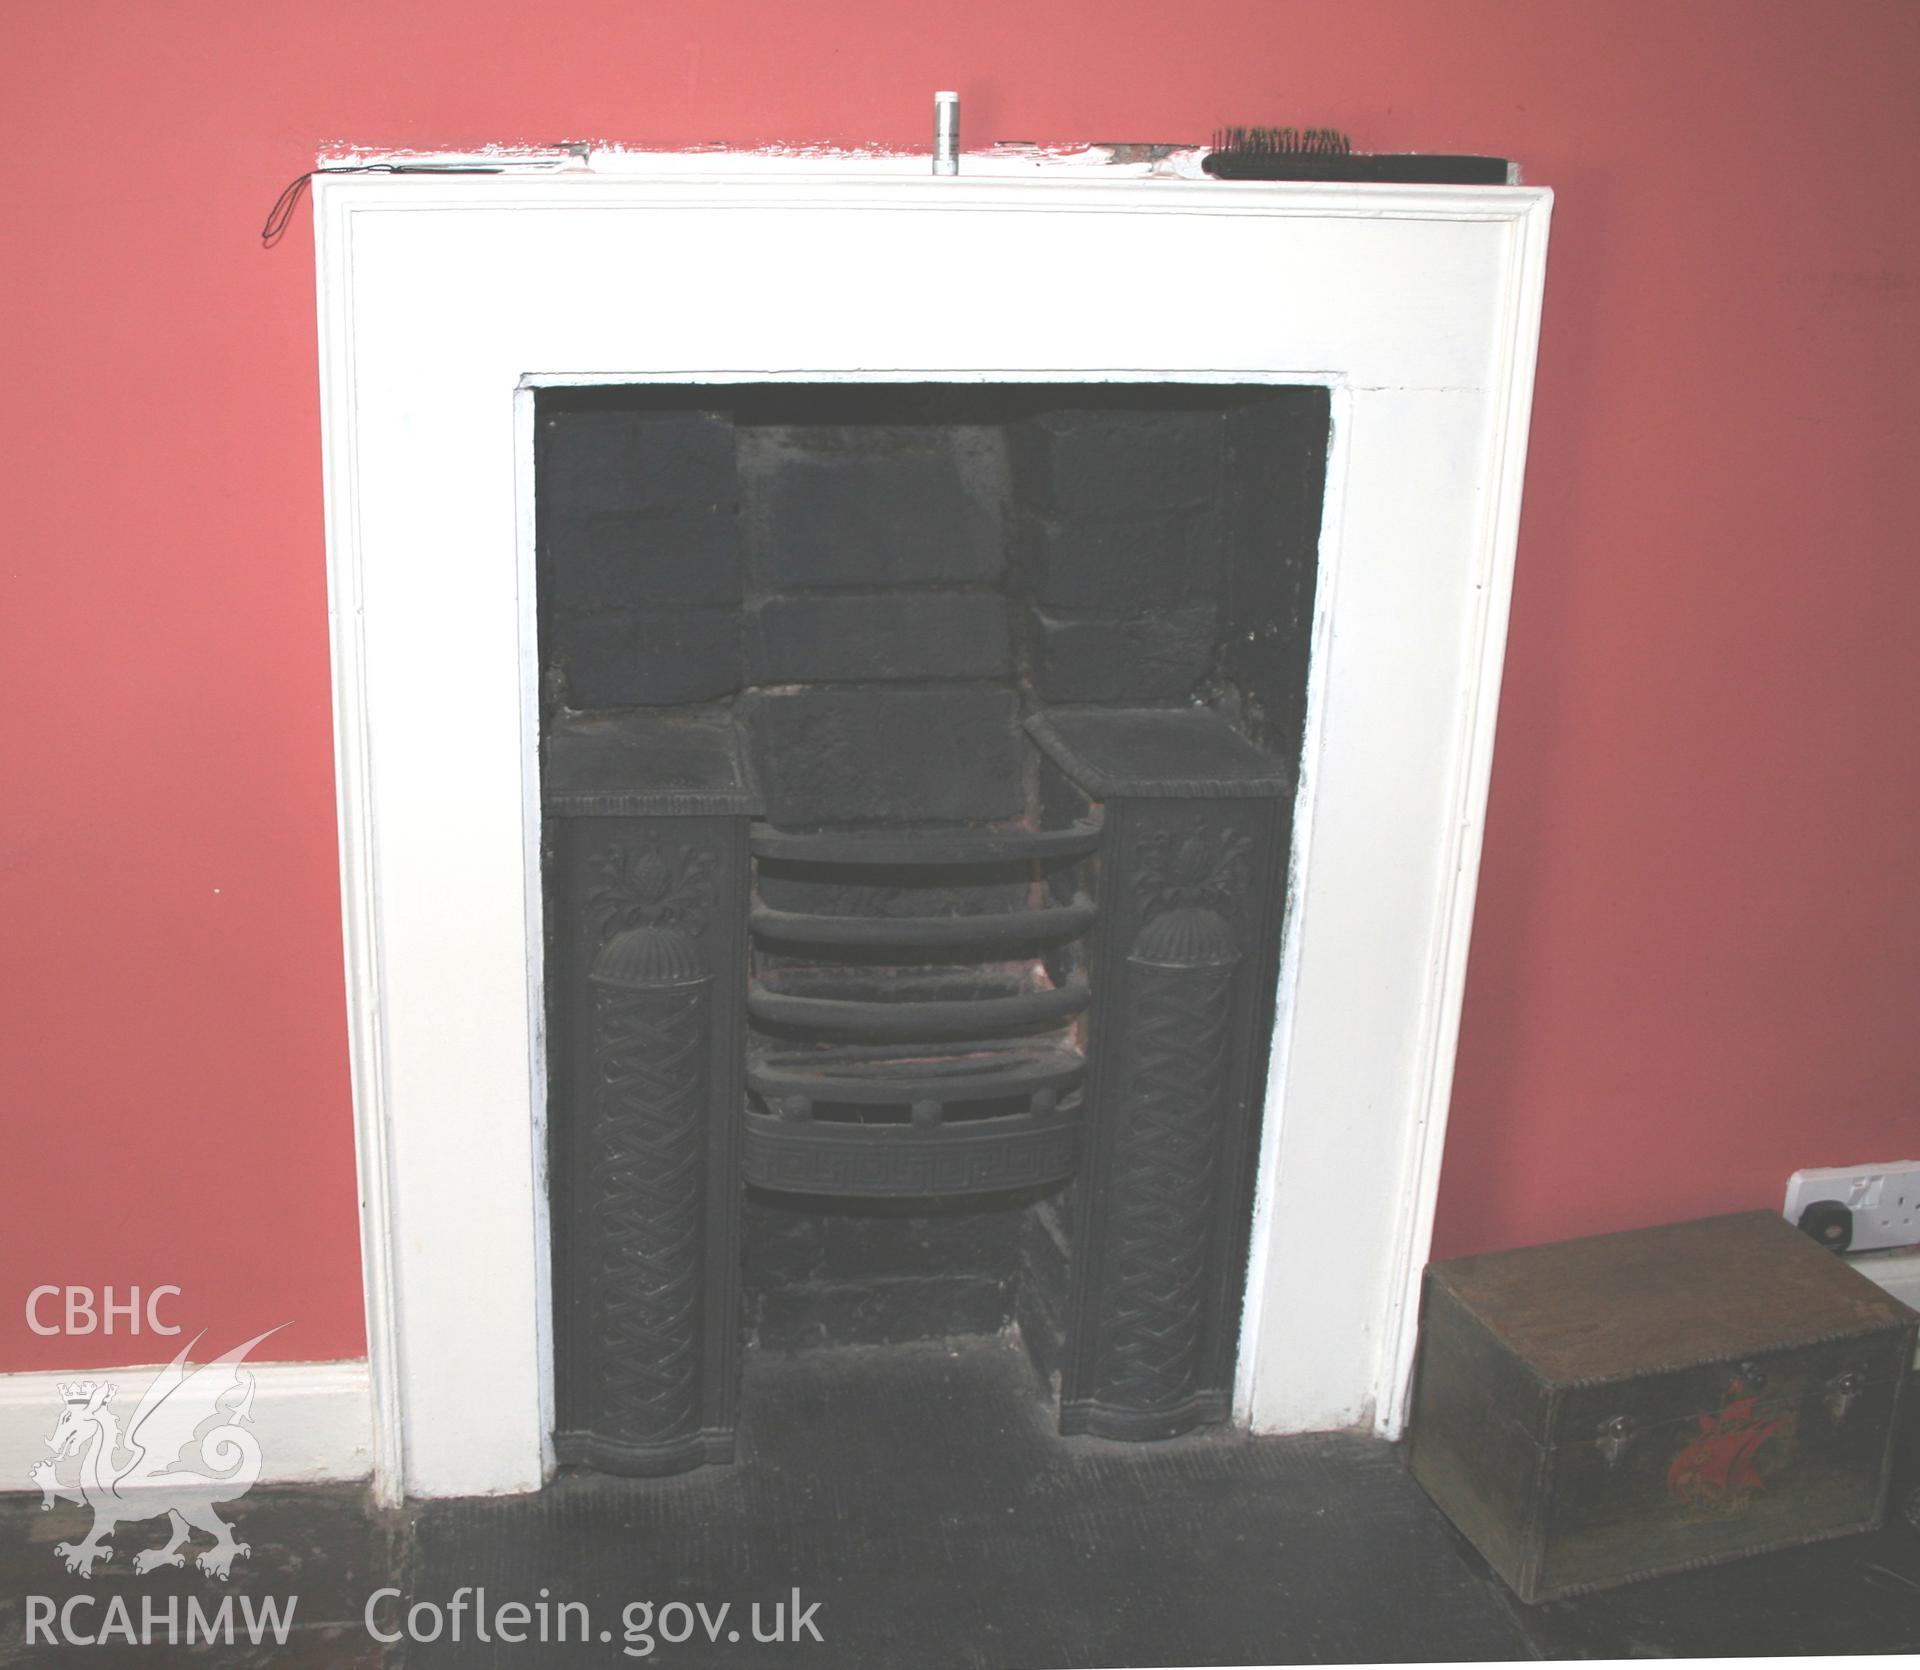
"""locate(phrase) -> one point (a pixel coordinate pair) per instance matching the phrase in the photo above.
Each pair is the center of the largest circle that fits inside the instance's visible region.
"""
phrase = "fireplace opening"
(917, 772)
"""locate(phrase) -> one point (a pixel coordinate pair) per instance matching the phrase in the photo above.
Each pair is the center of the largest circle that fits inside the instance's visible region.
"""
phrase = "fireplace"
(452, 306)
(917, 770)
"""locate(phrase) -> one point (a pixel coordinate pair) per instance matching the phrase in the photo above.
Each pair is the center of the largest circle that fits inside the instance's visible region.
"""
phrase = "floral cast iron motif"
(1192, 866)
(647, 884)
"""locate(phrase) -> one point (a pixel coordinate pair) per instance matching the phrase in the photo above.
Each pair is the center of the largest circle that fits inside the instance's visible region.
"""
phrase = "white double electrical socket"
(1883, 1200)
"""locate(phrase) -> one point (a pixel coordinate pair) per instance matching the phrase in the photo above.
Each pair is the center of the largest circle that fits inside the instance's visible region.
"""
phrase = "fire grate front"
(916, 828)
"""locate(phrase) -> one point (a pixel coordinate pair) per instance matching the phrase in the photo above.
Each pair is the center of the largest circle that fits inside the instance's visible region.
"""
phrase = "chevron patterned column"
(1183, 965)
(1166, 1163)
(644, 1207)
(646, 894)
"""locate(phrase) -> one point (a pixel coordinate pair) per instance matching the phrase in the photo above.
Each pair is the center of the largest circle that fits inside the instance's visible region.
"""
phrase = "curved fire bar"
(924, 846)
(840, 1017)
(1048, 925)
(1001, 1071)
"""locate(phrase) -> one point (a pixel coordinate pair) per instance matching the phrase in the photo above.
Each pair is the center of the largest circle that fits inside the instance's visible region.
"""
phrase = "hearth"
(917, 773)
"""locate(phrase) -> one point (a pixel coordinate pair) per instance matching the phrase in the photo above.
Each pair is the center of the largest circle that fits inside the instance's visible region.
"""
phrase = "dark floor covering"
(918, 1495)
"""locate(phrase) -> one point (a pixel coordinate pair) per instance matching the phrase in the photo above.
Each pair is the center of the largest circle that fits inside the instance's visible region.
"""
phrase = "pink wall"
(1695, 963)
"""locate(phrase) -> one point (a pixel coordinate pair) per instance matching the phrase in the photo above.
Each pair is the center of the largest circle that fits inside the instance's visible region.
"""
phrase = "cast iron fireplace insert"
(917, 775)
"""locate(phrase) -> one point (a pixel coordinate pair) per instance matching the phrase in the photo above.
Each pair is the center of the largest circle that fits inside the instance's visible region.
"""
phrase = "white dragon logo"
(143, 1475)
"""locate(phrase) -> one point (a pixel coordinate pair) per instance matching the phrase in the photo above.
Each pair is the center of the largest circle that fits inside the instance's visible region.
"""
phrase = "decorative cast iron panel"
(647, 979)
(1183, 962)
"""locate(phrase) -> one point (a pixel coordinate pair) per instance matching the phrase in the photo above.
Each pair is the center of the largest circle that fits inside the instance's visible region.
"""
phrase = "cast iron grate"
(917, 771)
(918, 1055)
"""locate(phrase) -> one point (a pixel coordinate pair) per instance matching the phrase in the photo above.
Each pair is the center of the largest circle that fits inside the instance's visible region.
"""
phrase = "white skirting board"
(314, 1421)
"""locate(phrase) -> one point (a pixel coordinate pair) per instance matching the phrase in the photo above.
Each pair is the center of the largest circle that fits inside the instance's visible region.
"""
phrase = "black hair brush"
(1327, 154)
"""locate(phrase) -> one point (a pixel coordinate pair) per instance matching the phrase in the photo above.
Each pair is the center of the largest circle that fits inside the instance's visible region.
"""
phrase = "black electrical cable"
(280, 216)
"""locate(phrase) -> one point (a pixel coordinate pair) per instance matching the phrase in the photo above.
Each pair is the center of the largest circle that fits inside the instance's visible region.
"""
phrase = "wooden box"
(1624, 1405)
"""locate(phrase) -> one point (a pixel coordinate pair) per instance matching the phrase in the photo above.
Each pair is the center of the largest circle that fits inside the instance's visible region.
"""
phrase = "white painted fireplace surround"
(446, 300)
